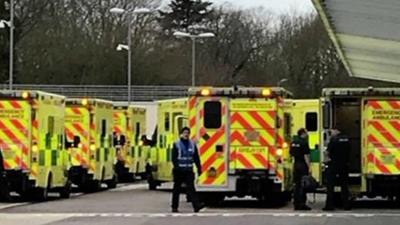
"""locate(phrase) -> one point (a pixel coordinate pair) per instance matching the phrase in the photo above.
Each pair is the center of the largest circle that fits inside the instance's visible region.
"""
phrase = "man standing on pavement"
(301, 153)
(339, 148)
(4, 194)
(184, 155)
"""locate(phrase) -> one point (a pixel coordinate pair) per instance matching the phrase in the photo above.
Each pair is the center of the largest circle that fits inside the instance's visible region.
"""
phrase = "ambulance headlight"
(84, 101)
(266, 92)
(25, 95)
(205, 92)
(92, 147)
(279, 152)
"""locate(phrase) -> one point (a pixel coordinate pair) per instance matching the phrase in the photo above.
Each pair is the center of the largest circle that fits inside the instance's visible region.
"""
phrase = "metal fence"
(110, 92)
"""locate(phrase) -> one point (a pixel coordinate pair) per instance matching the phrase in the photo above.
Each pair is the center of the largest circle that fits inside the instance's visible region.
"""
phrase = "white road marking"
(10, 205)
(173, 215)
(129, 187)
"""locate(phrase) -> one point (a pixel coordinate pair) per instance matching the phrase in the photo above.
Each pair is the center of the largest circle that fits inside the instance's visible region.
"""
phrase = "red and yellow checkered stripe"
(214, 164)
(263, 144)
(15, 134)
(383, 137)
(261, 126)
(35, 141)
(119, 122)
(74, 127)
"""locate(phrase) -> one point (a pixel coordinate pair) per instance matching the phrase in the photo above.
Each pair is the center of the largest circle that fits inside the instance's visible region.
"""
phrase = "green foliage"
(185, 15)
(73, 42)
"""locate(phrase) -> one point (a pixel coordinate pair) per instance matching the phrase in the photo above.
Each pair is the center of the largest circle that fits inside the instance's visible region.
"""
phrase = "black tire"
(211, 199)
(91, 186)
(152, 184)
(143, 176)
(26, 195)
(65, 192)
(4, 191)
(95, 185)
(111, 184)
(41, 194)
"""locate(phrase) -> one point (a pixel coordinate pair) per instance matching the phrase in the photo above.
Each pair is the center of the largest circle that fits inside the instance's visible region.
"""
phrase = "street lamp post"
(193, 38)
(10, 24)
(129, 40)
(11, 71)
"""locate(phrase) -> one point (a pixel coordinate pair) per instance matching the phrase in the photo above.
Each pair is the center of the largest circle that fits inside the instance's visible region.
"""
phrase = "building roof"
(366, 34)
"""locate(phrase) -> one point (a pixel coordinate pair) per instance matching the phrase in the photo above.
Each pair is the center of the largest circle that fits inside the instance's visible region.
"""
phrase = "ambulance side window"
(312, 121)
(103, 128)
(137, 132)
(176, 127)
(50, 131)
(212, 115)
(50, 125)
(288, 125)
(167, 121)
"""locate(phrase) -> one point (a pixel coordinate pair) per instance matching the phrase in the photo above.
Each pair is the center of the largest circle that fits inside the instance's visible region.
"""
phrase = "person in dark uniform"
(339, 148)
(184, 155)
(4, 192)
(300, 150)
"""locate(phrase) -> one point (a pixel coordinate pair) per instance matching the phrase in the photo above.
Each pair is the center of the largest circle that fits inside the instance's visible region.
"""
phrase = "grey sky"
(278, 6)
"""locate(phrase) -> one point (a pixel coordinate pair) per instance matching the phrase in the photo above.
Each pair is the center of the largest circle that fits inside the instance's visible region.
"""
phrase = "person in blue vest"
(184, 155)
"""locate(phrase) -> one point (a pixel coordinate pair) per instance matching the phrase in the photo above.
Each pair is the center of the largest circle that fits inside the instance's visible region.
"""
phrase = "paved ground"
(134, 204)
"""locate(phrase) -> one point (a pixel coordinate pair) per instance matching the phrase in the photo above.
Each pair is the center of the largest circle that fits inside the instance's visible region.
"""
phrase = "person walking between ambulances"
(300, 151)
(184, 155)
(339, 148)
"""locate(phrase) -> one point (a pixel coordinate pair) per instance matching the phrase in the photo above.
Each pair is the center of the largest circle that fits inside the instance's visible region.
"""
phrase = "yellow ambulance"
(242, 136)
(31, 142)
(89, 140)
(129, 137)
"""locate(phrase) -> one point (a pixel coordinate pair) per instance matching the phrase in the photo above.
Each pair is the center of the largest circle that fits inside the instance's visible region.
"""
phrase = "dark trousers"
(300, 195)
(187, 177)
(4, 190)
(337, 176)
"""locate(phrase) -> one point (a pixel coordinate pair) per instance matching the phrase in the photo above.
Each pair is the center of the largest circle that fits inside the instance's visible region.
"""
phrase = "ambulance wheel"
(65, 192)
(91, 186)
(112, 183)
(27, 195)
(41, 194)
(95, 185)
(151, 182)
(211, 199)
(5, 195)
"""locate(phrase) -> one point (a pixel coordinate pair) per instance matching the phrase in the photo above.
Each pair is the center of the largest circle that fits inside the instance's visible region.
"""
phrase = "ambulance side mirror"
(77, 141)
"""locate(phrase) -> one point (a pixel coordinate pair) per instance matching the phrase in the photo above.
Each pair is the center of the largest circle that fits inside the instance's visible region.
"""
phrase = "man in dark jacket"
(300, 150)
(339, 148)
(4, 192)
(184, 155)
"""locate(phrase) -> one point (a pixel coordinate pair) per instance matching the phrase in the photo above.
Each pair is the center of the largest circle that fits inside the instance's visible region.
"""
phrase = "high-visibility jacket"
(185, 154)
